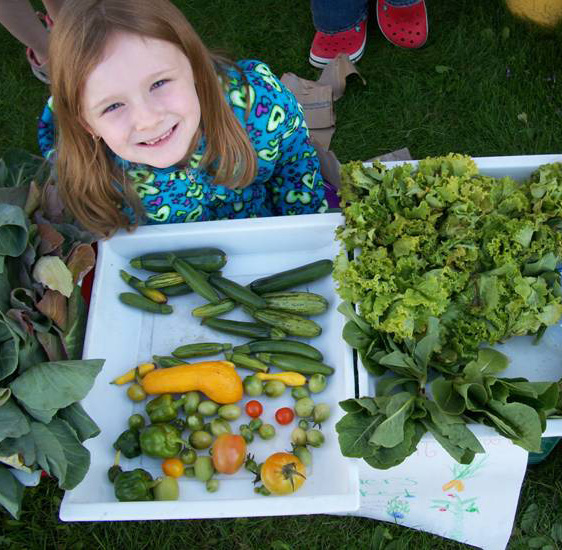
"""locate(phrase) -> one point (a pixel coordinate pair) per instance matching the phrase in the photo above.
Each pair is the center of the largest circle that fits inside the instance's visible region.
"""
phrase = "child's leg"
(20, 20)
(341, 28)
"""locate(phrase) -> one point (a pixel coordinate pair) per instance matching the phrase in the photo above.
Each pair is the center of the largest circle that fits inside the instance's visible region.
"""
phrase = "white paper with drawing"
(430, 491)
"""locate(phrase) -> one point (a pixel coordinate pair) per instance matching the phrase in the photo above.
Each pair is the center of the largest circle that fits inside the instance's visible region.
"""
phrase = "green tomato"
(304, 424)
(303, 454)
(208, 408)
(317, 383)
(203, 468)
(194, 422)
(212, 485)
(298, 436)
(252, 386)
(304, 407)
(266, 431)
(189, 472)
(188, 456)
(274, 388)
(220, 426)
(200, 439)
(230, 412)
(315, 438)
(255, 424)
(192, 400)
(246, 433)
(136, 393)
(136, 422)
(299, 392)
(167, 489)
(321, 413)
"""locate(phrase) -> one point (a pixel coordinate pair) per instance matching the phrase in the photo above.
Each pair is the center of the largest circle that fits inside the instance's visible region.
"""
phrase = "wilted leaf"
(54, 305)
(81, 261)
(33, 198)
(73, 338)
(53, 206)
(52, 345)
(51, 239)
(53, 273)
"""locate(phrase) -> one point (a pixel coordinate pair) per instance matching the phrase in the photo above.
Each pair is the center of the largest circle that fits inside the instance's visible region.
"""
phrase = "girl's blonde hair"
(92, 186)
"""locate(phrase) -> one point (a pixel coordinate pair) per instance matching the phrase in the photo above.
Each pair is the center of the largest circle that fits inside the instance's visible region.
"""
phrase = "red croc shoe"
(404, 26)
(326, 47)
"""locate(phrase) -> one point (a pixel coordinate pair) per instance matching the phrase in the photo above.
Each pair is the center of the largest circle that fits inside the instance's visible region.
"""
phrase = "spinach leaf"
(354, 431)
(391, 431)
(446, 398)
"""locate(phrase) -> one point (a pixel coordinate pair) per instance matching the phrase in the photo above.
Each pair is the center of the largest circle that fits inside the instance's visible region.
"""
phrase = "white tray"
(541, 362)
(126, 337)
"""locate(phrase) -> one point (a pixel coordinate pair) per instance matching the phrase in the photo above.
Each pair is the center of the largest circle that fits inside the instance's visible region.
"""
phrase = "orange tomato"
(229, 453)
(173, 467)
(283, 473)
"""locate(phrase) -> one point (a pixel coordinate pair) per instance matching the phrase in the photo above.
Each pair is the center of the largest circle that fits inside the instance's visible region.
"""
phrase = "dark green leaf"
(372, 366)
(354, 431)
(9, 353)
(402, 364)
(52, 346)
(385, 386)
(429, 344)
(475, 395)
(530, 518)
(78, 418)
(391, 432)
(13, 422)
(556, 532)
(359, 404)
(11, 492)
(30, 353)
(50, 453)
(354, 336)
(525, 422)
(77, 456)
(488, 362)
(546, 263)
(43, 415)
(347, 309)
(56, 385)
(13, 230)
(23, 445)
(446, 398)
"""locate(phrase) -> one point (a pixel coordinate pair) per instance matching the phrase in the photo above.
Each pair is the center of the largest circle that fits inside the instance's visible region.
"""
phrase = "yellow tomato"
(283, 473)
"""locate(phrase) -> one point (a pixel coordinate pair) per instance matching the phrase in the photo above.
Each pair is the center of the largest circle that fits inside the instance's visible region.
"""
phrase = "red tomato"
(254, 408)
(283, 473)
(284, 415)
(229, 453)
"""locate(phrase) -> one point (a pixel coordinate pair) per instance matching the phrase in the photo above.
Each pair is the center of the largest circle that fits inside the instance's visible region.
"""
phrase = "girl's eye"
(158, 84)
(112, 107)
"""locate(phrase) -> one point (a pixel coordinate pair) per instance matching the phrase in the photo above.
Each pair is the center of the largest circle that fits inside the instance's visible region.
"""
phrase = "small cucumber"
(164, 280)
(237, 292)
(176, 290)
(243, 328)
(293, 347)
(213, 310)
(151, 293)
(140, 302)
(295, 363)
(246, 362)
(206, 259)
(200, 349)
(290, 323)
(303, 303)
(165, 361)
(292, 277)
(195, 279)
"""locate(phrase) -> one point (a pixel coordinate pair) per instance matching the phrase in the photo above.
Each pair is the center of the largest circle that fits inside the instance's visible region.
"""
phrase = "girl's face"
(141, 100)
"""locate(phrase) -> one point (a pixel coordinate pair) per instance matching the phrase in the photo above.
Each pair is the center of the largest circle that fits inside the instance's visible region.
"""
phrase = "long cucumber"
(213, 310)
(292, 277)
(293, 347)
(206, 259)
(243, 328)
(295, 363)
(195, 279)
(303, 303)
(237, 292)
(290, 323)
(200, 349)
(246, 362)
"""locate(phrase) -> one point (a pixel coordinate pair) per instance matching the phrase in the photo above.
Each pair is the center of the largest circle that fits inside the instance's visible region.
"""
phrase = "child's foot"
(325, 47)
(404, 24)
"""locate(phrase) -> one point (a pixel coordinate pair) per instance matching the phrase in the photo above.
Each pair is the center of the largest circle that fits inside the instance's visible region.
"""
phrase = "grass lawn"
(485, 84)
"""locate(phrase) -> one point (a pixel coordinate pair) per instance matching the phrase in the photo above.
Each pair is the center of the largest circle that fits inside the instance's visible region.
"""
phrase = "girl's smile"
(141, 100)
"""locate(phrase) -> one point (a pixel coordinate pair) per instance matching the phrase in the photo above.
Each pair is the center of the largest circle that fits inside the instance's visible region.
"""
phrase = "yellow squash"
(129, 376)
(288, 378)
(218, 380)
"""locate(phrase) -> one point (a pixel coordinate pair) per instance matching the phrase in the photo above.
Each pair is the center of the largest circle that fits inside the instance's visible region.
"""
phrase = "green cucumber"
(293, 347)
(206, 259)
(151, 293)
(140, 302)
(243, 328)
(292, 277)
(245, 361)
(213, 310)
(164, 280)
(195, 279)
(200, 349)
(303, 303)
(292, 324)
(165, 361)
(237, 292)
(176, 290)
(295, 363)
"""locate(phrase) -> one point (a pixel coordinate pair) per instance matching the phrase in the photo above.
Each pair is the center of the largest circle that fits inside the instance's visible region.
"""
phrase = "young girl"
(150, 127)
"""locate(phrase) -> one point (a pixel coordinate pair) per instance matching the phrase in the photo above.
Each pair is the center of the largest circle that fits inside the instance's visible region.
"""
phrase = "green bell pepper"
(134, 485)
(128, 443)
(161, 441)
(164, 408)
